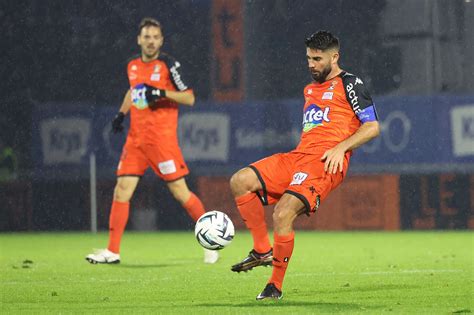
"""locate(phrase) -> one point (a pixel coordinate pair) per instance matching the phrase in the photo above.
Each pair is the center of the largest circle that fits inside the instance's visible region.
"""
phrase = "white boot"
(210, 256)
(103, 256)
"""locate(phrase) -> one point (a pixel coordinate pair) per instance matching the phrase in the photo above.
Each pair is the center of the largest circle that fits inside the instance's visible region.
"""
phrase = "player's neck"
(334, 73)
(146, 58)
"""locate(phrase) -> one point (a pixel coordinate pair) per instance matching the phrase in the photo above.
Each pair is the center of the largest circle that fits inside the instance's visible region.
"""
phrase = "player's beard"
(320, 76)
(150, 53)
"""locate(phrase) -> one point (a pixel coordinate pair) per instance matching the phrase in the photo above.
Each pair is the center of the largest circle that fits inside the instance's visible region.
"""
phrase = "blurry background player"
(338, 116)
(156, 88)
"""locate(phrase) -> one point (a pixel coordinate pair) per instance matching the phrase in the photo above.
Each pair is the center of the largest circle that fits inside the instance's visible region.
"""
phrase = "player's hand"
(334, 159)
(117, 122)
(153, 94)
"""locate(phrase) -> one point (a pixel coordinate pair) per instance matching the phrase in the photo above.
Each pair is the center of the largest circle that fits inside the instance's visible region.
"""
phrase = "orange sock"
(194, 207)
(253, 214)
(117, 222)
(282, 250)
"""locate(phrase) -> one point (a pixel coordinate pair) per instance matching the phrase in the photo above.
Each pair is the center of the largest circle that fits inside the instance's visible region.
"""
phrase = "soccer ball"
(214, 230)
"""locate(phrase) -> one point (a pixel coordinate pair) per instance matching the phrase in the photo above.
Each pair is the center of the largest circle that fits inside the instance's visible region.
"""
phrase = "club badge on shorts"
(167, 167)
(298, 178)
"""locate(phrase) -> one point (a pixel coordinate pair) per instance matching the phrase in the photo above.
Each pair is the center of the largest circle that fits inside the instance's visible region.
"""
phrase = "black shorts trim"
(264, 198)
(302, 198)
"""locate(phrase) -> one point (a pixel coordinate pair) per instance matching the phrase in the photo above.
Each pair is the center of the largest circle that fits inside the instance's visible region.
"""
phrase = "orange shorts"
(165, 159)
(299, 174)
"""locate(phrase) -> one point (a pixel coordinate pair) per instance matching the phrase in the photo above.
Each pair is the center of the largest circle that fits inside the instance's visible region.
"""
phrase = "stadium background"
(63, 78)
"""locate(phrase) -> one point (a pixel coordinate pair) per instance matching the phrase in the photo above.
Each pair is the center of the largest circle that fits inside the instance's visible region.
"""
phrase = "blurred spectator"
(8, 163)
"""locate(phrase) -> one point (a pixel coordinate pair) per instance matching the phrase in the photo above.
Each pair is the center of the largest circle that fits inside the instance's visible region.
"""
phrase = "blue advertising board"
(418, 134)
(421, 134)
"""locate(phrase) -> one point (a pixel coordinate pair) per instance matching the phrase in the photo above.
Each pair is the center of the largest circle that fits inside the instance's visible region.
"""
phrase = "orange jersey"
(333, 111)
(149, 124)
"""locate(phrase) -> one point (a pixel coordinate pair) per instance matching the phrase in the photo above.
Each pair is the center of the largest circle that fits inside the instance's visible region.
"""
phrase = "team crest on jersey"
(333, 85)
(314, 116)
(138, 96)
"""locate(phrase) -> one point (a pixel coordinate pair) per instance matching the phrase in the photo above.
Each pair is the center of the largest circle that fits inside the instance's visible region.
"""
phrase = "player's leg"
(261, 183)
(244, 185)
(119, 212)
(310, 185)
(168, 163)
(193, 205)
(180, 191)
(285, 212)
(118, 219)
(188, 200)
(131, 167)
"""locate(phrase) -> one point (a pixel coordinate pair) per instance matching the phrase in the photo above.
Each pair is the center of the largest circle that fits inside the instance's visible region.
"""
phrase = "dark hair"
(322, 40)
(148, 21)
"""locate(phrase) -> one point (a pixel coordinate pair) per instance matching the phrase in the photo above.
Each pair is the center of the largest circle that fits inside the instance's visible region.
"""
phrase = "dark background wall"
(74, 52)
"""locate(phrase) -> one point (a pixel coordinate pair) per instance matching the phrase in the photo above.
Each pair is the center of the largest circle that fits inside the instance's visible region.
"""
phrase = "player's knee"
(180, 191)
(122, 191)
(242, 182)
(282, 216)
(237, 183)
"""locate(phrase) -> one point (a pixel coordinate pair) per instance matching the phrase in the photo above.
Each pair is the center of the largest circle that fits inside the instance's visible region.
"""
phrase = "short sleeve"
(176, 73)
(359, 98)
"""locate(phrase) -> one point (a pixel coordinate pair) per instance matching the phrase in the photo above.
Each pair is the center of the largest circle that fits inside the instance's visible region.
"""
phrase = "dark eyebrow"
(314, 58)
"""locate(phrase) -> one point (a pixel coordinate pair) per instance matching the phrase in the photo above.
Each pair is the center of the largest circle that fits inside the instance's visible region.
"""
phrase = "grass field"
(161, 273)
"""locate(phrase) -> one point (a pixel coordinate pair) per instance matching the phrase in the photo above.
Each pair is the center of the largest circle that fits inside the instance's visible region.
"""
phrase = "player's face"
(150, 40)
(320, 63)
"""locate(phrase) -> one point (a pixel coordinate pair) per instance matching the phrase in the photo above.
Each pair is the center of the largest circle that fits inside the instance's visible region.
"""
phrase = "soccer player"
(157, 85)
(338, 116)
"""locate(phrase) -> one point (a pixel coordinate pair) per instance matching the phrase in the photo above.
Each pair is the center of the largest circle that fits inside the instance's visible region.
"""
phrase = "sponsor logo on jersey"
(133, 76)
(327, 95)
(314, 116)
(298, 178)
(177, 77)
(139, 97)
(353, 98)
(155, 77)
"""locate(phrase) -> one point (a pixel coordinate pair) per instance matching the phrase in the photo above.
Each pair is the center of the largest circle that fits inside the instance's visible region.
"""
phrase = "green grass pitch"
(163, 273)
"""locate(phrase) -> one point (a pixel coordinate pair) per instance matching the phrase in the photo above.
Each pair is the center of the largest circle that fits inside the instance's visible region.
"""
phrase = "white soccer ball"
(214, 230)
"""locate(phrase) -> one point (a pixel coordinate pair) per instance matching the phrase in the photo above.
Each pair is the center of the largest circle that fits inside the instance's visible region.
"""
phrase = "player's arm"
(182, 97)
(124, 108)
(126, 103)
(334, 158)
(359, 99)
(182, 93)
